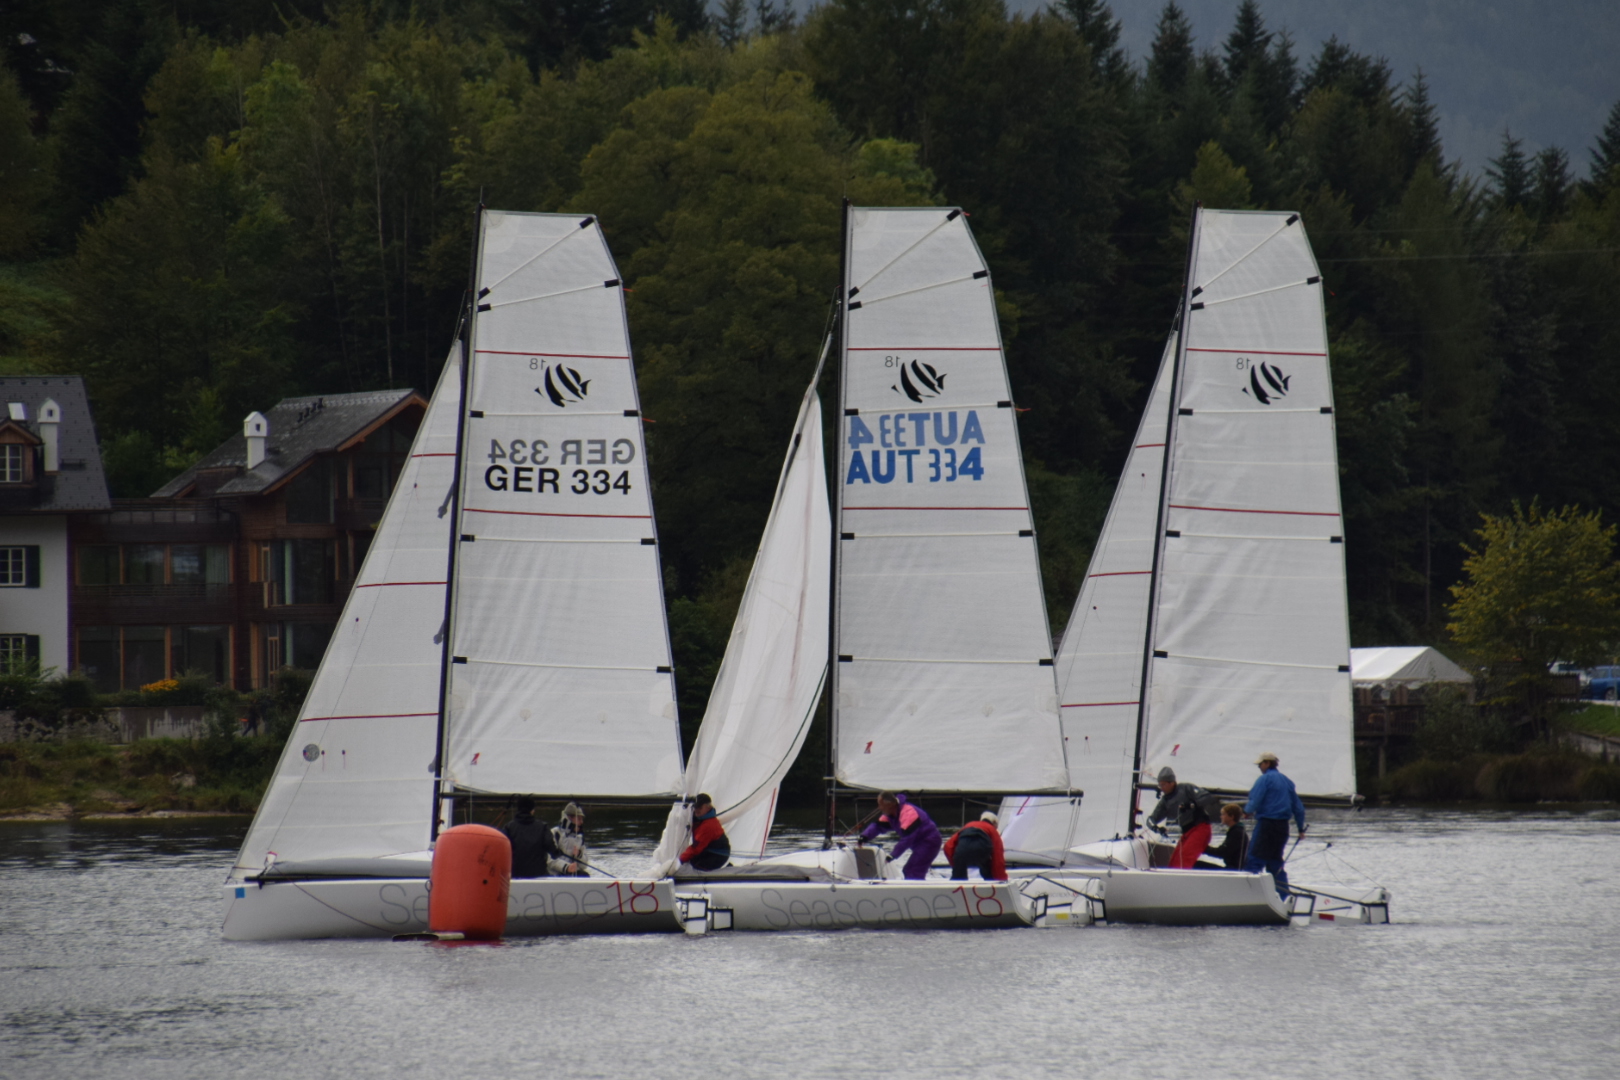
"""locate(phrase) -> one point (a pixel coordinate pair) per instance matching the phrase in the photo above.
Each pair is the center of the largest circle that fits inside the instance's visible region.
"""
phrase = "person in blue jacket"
(1272, 801)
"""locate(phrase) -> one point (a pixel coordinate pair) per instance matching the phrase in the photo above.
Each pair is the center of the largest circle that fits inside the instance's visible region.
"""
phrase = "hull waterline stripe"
(1237, 510)
(368, 716)
(551, 355)
(383, 584)
(1098, 704)
(1256, 352)
(538, 513)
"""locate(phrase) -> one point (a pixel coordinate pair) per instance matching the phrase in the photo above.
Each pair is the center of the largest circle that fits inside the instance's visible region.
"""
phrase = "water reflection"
(1503, 962)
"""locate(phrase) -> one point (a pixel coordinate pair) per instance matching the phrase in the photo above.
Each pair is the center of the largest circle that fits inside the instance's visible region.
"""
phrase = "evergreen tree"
(1097, 25)
(771, 17)
(1172, 60)
(1553, 183)
(1606, 155)
(1423, 122)
(732, 25)
(1247, 46)
(1510, 173)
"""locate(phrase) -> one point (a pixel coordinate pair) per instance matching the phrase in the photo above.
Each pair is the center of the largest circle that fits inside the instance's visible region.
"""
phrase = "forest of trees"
(208, 204)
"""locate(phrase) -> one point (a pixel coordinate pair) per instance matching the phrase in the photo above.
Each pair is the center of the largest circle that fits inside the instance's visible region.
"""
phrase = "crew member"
(918, 834)
(1189, 805)
(1235, 848)
(569, 835)
(977, 844)
(710, 850)
(534, 851)
(1272, 801)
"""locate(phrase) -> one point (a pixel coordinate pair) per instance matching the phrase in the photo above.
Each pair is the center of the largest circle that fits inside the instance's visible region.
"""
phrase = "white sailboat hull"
(1169, 897)
(873, 905)
(384, 907)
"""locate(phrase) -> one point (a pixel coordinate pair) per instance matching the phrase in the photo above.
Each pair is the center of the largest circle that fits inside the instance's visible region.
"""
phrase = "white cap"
(990, 817)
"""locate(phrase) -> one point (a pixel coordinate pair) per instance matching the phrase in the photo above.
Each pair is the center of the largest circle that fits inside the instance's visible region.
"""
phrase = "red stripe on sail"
(380, 584)
(1237, 510)
(537, 513)
(368, 716)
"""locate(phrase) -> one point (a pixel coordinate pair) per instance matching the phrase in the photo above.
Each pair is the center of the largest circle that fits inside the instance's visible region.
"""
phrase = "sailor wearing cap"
(1272, 801)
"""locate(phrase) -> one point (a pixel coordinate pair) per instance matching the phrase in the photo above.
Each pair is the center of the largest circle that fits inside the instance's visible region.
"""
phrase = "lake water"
(1504, 961)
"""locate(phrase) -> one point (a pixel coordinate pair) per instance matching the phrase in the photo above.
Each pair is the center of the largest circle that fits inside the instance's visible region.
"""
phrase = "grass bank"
(223, 774)
(1595, 719)
(1534, 777)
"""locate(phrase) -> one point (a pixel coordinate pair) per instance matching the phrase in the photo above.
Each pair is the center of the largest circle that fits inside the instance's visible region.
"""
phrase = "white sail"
(1099, 663)
(356, 777)
(944, 679)
(1251, 646)
(561, 679)
(776, 661)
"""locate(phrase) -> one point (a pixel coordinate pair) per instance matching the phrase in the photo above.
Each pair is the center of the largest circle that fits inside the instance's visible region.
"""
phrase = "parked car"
(1603, 684)
(1565, 668)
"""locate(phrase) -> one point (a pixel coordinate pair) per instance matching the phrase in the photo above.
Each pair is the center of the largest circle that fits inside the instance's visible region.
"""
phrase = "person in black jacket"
(1235, 847)
(1190, 806)
(533, 846)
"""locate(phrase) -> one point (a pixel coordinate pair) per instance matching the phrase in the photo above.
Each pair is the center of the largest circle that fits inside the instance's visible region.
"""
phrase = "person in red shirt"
(710, 850)
(978, 843)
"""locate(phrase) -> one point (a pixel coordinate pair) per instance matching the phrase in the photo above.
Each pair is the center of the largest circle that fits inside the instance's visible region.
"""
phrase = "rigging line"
(542, 296)
(1292, 218)
(1252, 295)
(952, 216)
(530, 261)
(918, 289)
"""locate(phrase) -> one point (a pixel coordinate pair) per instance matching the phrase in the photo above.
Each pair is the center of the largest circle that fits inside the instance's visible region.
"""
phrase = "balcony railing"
(153, 603)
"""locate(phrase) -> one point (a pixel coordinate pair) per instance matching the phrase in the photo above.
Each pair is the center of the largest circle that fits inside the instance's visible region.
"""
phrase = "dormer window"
(11, 463)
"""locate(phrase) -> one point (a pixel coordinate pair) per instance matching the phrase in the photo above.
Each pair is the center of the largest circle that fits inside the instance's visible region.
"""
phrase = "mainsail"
(1099, 663)
(944, 679)
(560, 680)
(776, 661)
(356, 777)
(1250, 638)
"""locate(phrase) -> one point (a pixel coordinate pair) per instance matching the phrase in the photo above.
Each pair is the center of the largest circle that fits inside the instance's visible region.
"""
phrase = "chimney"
(257, 430)
(50, 419)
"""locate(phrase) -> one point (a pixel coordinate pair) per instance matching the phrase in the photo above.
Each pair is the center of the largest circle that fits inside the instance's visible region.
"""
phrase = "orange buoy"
(469, 881)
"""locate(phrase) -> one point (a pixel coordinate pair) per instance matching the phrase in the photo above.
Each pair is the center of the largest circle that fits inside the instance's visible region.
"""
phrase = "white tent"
(1403, 665)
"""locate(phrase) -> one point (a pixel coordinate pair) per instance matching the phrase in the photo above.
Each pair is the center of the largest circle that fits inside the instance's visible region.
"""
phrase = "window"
(309, 496)
(144, 661)
(143, 564)
(18, 652)
(98, 656)
(11, 463)
(200, 564)
(204, 650)
(296, 645)
(19, 566)
(98, 564)
(303, 570)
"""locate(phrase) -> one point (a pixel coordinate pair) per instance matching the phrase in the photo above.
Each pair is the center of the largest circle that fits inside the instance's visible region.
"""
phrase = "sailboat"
(1213, 622)
(942, 679)
(506, 634)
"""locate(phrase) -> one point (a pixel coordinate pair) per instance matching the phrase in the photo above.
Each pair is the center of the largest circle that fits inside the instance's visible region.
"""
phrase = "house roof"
(300, 428)
(1403, 665)
(81, 484)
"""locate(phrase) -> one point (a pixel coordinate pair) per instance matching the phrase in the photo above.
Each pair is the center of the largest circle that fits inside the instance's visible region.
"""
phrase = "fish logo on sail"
(1266, 381)
(919, 380)
(564, 385)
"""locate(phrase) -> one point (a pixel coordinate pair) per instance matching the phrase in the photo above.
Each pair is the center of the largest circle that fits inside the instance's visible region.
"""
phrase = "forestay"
(944, 679)
(776, 661)
(356, 777)
(1099, 663)
(1251, 644)
(561, 679)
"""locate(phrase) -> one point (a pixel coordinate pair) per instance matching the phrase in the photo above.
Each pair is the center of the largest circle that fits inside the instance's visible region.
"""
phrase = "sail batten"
(562, 681)
(943, 680)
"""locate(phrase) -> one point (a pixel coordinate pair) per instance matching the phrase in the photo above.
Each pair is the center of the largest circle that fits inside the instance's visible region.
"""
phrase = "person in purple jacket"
(918, 833)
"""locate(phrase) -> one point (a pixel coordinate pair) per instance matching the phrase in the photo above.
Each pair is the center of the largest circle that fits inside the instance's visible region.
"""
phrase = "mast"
(469, 312)
(829, 770)
(1158, 529)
